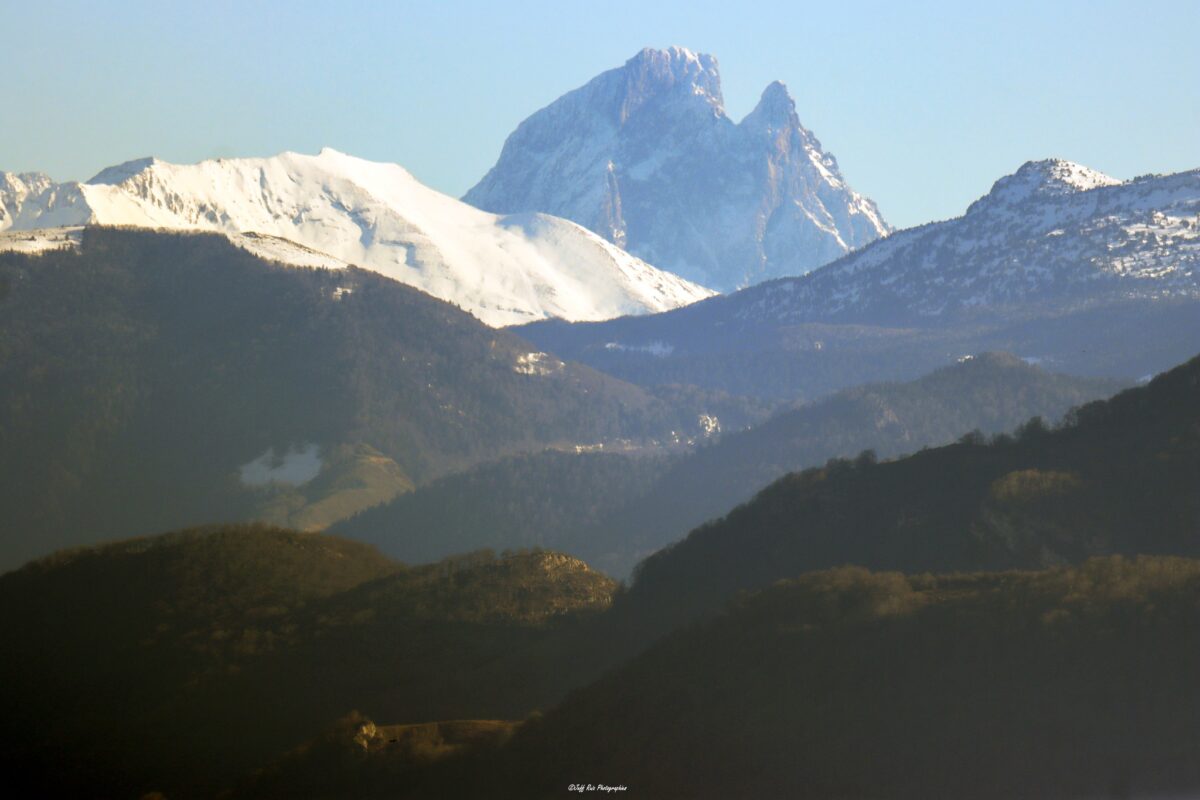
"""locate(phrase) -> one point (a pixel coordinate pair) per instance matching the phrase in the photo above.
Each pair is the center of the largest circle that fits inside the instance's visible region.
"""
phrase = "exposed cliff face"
(646, 156)
(31, 200)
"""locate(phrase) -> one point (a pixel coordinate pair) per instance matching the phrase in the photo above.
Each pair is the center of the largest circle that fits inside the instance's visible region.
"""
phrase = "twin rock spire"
(646, 156)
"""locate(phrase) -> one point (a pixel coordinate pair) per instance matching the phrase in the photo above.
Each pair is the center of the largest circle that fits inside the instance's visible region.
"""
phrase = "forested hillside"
(613, 511)
(143, 373)
(1120, 476)
(1075, 681)
(1072, 682)
(548, 499)
(178, 662)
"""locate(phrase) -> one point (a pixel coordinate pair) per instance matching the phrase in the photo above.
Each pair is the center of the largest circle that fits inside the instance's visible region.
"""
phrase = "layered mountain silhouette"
(739, 645)
(614, 510)
(153, 380)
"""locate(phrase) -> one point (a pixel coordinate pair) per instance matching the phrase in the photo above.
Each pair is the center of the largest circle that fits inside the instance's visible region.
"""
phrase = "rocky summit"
(646, 156)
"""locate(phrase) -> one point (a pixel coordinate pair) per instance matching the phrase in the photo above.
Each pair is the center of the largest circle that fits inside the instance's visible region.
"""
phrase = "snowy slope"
(1055, 259)
(40, 240)
(269, 248)
(503, 269)
(1057, 262)
(1055, 235)
(646, 156)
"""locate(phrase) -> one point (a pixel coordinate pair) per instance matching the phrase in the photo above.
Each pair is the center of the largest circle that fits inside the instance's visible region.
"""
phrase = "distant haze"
(924, 104)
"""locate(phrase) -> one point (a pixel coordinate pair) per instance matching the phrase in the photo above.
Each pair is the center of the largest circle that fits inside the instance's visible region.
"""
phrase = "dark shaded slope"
(613, 511)
(1072, 682)
(541, 500)
(138, 374)
(989, 394)
(1122, 477)
(1068, 683)
(179, 662)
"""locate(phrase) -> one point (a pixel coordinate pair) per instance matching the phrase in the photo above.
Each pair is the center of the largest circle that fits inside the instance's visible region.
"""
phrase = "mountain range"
(1052, 236)
(150, 380)
(1057, 263)
(242, 642)
(344, 210)
(646, 156)
(232, 393)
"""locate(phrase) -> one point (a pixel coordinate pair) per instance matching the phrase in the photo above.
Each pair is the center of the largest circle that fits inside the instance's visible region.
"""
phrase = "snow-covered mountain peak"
(676, 65)
(1054, 235)
(15, 191)
(120, 173)
(646, 156)
(1061, 176)
(662, 75)
(1048, 177)
(375, 215)
(775, 108)
(24, 181)
(674, 54)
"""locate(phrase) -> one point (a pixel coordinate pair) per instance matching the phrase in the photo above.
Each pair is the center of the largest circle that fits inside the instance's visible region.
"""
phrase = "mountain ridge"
(1040, 199)
(613, 511)
(646, 156)
(1056, 262)
(1116, 478)
(503, 269)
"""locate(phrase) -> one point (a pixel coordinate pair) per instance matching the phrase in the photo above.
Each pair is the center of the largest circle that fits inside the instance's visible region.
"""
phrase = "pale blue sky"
(923, 103)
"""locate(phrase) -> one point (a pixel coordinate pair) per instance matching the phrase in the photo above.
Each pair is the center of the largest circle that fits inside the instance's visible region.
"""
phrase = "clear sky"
(925, 104)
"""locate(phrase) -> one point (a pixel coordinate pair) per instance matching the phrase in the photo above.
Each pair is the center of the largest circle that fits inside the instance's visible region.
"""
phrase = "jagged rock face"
(14, 188)
(646, 156)
(504, 270)
(31, 200)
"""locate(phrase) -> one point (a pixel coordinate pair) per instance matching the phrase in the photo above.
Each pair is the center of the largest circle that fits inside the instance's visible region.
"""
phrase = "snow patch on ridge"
(294, 466)
(656, 349)
(40, 241)
(273, 248)
(537, 364)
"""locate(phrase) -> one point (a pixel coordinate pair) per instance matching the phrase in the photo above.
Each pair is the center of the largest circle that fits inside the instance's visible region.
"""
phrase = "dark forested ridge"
(1121, 476)
(139, 372)
(990, 393)
(613, 511)
(1073, 682)
(178, 662)
(549, 499)
(248, 645)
